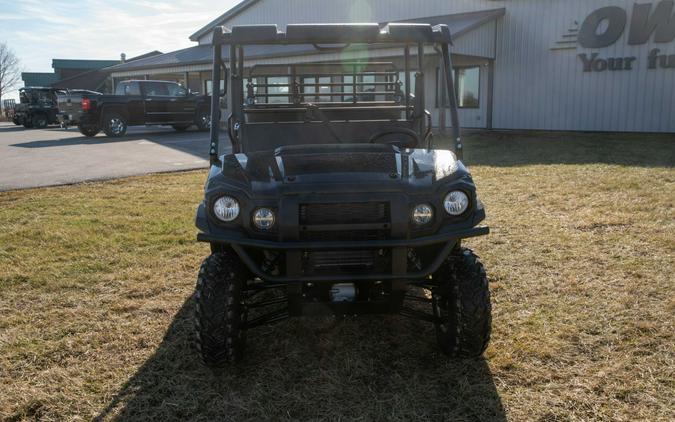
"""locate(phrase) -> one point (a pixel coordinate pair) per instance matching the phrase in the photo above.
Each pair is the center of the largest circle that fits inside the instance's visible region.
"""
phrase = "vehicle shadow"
(193, 142)
(516, 148)
(6, 129)
(369, 368)
(75, 138)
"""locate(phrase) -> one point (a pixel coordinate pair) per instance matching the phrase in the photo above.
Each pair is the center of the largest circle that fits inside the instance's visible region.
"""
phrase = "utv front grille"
(345, 213)
(345, 261)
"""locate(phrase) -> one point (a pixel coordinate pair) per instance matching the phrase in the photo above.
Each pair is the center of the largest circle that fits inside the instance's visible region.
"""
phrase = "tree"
(10, 72)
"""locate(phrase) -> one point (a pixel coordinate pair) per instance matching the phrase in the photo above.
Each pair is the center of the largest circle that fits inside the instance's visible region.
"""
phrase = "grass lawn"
(96, 315)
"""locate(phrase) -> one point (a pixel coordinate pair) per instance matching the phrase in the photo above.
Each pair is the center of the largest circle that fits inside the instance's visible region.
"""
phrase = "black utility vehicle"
(333, 199)
(37, 107)
(138, 103)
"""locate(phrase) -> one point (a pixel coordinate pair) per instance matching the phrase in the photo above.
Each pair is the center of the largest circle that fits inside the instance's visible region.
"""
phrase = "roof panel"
(38, 78)
(202, 54)
(82, 64)
(245, 4)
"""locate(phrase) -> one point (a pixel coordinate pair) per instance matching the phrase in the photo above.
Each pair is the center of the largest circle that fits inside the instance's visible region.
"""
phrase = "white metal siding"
(479, 42)
(540, 88)
(534, 87)
(283, 12)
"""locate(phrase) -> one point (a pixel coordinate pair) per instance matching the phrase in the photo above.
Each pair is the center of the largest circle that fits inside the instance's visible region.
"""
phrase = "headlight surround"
(456, 202)
(226, 208)
(264, 218)
(422, 215)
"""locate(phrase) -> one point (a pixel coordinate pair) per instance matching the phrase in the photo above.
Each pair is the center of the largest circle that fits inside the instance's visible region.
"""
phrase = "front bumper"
(294, 250)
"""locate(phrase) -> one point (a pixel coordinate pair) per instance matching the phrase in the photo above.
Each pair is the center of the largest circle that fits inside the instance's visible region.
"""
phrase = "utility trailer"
(333, 199)
(8, 110)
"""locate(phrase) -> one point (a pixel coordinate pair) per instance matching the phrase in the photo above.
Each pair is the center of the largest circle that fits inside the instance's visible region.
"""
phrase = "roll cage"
(344, 100)
(38, 95)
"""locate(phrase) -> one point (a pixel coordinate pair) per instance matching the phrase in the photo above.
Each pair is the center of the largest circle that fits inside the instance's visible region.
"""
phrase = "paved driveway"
(54, 156)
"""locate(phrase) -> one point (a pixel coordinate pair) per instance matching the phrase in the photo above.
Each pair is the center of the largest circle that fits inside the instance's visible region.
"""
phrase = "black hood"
(354, 164)
(298, 161)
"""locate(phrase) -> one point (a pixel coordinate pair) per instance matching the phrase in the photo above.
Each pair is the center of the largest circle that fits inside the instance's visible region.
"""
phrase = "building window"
(208, 86)
(364, 91)
(309, 89)
(348, 88)
(467, 87)
(324, 89)
(276, 86)
(367, 90)
(310, 86)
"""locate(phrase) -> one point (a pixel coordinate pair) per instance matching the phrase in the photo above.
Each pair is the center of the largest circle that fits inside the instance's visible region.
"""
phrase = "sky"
(41, 30)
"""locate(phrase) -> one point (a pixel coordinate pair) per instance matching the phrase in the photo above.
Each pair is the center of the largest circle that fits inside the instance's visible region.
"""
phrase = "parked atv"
(333, 196)
(37, 107)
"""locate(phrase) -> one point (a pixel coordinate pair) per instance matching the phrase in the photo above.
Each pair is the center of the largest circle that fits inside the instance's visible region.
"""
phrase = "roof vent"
(123, 57)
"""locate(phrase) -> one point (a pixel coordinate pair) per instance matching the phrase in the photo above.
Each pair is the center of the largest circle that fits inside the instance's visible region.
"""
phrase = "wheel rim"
(116, 125)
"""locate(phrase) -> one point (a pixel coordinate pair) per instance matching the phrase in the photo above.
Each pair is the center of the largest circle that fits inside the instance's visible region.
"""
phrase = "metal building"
(582, 65)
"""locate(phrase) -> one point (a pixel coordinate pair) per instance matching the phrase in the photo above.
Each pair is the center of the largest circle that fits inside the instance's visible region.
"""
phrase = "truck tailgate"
(69, 103)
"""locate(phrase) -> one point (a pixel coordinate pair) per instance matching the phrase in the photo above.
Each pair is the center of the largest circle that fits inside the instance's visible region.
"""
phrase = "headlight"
(422, 214)
(263, 218)
(226, 208)
(456, 202)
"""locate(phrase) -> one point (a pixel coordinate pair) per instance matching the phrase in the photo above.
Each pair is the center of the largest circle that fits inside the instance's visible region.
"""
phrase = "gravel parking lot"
(55, 156)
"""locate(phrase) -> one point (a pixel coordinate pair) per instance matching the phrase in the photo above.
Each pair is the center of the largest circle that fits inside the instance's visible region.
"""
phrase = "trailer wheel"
(89, 131)
(114, 124)
(461, 305)
(16, 121)
(220, 314)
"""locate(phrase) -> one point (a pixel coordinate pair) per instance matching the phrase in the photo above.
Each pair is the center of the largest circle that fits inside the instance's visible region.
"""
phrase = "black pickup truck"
(143, 102)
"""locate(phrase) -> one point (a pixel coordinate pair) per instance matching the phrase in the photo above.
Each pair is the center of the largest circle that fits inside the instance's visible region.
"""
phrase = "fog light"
(456, 202)
(422, 214)
(226, 208)
(263, 218)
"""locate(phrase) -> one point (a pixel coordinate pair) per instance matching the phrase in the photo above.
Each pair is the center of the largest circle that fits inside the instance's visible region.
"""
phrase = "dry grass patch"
(95, 309)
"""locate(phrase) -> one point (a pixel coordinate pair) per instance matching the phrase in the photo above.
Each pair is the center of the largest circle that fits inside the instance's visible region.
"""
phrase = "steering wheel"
(413, 142)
